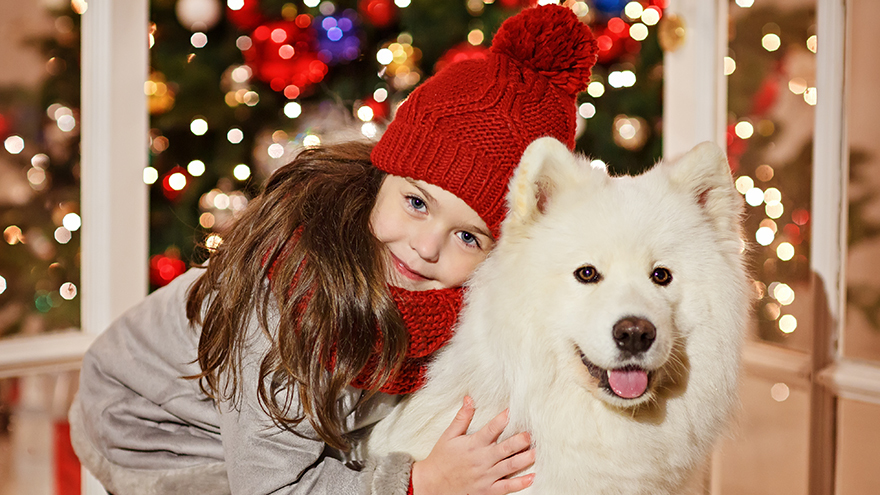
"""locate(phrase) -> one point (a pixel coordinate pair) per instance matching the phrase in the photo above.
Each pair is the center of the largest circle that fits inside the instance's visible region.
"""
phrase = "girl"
(260, 372)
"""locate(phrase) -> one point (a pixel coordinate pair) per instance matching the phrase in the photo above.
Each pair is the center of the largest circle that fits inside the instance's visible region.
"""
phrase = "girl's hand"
(462, 464)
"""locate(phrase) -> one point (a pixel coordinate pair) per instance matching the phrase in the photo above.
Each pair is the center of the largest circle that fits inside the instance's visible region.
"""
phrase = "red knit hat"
(465, 128)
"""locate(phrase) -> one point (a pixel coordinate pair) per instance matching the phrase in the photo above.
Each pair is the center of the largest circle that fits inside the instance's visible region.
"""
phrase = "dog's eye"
(587, 274)
(661, 276)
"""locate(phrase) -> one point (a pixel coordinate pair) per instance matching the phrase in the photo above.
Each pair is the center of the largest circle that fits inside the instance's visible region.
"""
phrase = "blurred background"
(236, 88)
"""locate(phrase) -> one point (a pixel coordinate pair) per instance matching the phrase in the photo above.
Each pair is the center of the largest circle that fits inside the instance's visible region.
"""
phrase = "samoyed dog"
(608, 318)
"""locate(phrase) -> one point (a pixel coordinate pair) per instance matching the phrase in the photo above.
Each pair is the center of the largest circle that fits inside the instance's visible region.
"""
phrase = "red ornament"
(380, 13)
(611, 44)
(380, 110)
(174, 182)
(515, 4)
(247, 17)
(166, 267)
(283, 54)
(4, 127)
(461, 51)
(766, 96)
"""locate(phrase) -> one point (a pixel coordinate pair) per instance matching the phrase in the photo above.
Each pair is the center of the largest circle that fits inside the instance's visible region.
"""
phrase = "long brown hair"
(309, 232)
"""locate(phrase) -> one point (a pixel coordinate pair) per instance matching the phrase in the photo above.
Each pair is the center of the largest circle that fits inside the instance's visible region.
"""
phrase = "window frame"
(114, 201)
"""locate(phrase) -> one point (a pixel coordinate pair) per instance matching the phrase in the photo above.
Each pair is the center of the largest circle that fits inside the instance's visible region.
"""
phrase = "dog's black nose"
(634, 335)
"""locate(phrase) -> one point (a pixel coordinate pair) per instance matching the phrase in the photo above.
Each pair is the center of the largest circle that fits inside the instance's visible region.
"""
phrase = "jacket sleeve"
(264, 458)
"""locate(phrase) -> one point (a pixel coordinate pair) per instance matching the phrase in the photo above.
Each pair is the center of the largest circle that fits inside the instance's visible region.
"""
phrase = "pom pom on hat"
(465, 128)
(547, 40)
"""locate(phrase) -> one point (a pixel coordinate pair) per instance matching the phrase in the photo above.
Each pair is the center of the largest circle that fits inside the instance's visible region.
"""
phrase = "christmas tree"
(237, 88)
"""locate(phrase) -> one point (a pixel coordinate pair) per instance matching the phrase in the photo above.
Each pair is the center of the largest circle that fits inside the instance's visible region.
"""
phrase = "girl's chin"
(412, 285)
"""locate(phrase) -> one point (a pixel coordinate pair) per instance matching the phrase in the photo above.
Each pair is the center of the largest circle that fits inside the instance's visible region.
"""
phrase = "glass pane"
(858, 448)
(231, 99)
(767, 450)
(771, 97)
(39, 166)
(861, 337)
(35, 453)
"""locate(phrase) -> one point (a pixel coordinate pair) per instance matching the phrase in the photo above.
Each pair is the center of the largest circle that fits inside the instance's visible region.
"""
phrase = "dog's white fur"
(529, 325)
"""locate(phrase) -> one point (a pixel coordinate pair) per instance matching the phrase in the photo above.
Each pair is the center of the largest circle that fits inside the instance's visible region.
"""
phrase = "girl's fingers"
(512, 485)
(489, 434)
(462, 419)
(514, 464)
(513, 445)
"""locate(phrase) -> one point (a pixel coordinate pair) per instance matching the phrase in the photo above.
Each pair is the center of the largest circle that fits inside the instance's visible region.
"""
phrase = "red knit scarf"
(429, 317)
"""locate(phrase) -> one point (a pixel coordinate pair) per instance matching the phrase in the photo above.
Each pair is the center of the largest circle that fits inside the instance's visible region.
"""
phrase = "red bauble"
(380, 13)
(247, 17)
(611, 43)
(167, 188)
(283, 54)
(380, 109)
(515, 4)
(461, 51)
(165, 267)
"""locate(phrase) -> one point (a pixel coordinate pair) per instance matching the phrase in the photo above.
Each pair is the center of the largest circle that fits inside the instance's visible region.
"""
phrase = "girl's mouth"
(405, 270)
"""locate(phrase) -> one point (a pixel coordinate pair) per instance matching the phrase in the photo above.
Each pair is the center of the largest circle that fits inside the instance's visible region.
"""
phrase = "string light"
(151, 175)
(72, 222)
(62, 235)
(369, 130)
(771, 42)
(177, 181)
(241, 171)
(196, 168)
(67, 291)
(292, 109)
(235, 135)
(787, 323)
(633, 10)
(275, 150)
(596, 89)
(744, 129)
(198, 126)
(779, 392)
(14, 144)
(587, 110)
(812, 43)
(198, 39)
(638, 31)
(651, 16)
(785, 251)
(729, 66)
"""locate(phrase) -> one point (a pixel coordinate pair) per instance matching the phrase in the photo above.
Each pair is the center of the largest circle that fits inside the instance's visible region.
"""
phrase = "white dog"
(608, 318)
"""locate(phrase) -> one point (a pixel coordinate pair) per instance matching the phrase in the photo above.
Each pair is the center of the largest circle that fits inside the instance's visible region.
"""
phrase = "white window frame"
(113, 195)
(694, 110)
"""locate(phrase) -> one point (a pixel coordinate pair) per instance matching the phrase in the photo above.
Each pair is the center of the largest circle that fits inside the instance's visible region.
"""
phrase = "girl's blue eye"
(469, 238)
(416, 202)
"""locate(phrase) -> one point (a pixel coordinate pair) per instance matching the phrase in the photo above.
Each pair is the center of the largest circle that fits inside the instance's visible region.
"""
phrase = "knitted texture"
(429, 317)
(465, 128)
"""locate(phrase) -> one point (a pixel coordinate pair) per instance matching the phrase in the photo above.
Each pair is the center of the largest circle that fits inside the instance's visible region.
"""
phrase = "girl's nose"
(427, 243)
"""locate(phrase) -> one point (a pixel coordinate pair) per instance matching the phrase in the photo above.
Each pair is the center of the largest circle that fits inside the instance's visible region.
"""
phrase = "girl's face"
(434, 239)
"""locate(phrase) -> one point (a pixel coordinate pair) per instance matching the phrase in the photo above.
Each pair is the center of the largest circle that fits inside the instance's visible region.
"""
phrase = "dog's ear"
(545, 165)
(705, 174)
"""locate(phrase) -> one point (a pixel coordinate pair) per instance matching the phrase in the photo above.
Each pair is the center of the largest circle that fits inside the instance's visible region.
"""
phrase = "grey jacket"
(141, 428)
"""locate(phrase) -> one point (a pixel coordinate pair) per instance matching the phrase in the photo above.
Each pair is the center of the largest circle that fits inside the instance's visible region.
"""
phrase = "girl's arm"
(459, 464)
(263, 458)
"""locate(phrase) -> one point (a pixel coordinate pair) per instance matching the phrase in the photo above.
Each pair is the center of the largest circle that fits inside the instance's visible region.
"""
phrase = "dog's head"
(615, 273)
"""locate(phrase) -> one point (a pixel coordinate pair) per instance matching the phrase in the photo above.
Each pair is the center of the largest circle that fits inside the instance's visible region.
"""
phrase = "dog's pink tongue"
(628, 384)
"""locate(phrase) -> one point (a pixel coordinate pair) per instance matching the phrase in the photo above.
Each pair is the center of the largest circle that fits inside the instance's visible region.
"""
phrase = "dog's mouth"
(629, 382)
